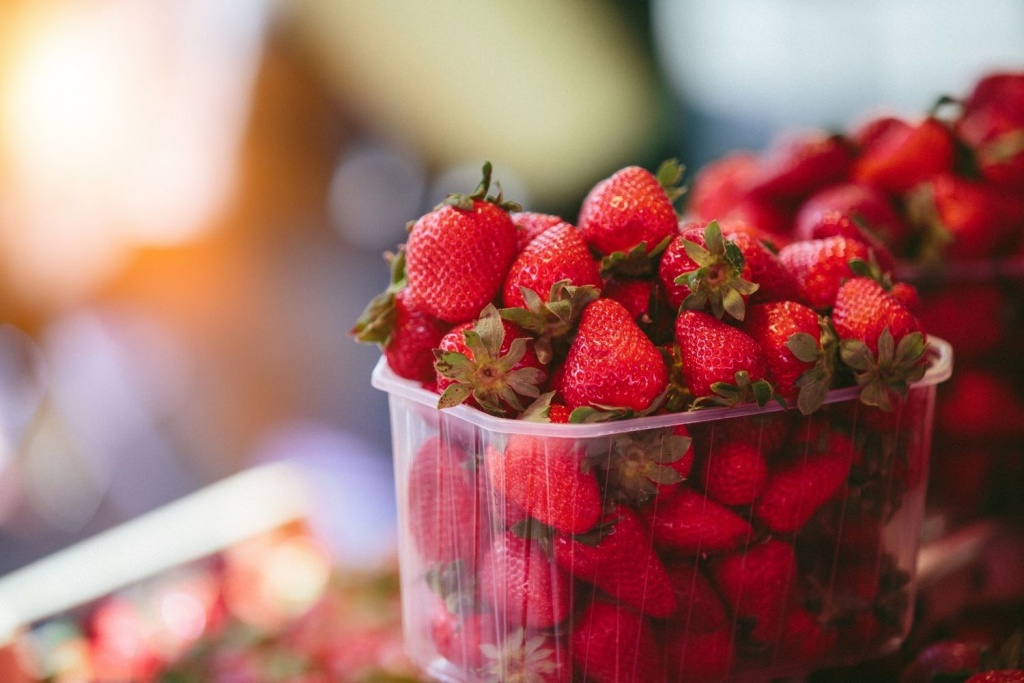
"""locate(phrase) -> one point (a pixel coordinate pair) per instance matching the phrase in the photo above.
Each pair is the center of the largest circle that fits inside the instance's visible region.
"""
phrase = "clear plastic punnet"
(732, 544)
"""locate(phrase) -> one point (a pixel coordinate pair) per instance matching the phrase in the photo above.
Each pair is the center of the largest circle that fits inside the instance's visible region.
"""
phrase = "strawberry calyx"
(743, 391)
(519, 658)
(935, 237)
(551, 321)
(717, 282)
(449, 581)
(490, 377)
(636, 464)
(815, 382)
(465, 201)
(637, 262)
(888, 374)
(593, 413)
(377, 321)
(670, 176)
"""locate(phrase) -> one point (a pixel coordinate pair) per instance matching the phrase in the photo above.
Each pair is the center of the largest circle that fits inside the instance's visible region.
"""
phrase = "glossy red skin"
(772, 325)
(701, 656)
(721, 185)
(992, 124)
(684, 521)
(713, 351)
(905, 154)
(530, 224)
(981, 218)
(415, 335)
(558, 253)
(774, 281)
(517, 578)
(698, 605)
(756, 584)
(798, 164)
(852, 210)
(611, 362)
(734, 473)
(821, 266)
(456, 260)
(614, 644)
(863, 309)
(625, 209)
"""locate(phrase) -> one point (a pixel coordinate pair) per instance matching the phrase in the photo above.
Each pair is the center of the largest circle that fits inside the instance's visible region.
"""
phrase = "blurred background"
(195, 196)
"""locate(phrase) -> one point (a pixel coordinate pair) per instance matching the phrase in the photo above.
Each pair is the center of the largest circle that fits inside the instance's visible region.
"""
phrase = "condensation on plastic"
(852, 577)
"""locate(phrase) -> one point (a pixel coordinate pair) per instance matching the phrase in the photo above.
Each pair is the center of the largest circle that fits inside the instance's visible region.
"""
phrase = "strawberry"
(609, 347)
(800, 349)
(520, 583)
(821, 265)
(797, 164)
(612, 644)
(721, 185)
(720, 363)
(559, 253)
(459, 638)
(774, 281)
(816, 467)
(446, 519)
(701, 270)
(699, 656)
(804, 638)
(756, 584)
(687, 522)
(772, 237)
(699, 608)
(530, 224)
(617, 557)
(525, 656)
(733, 473)
(552, 318)
(545, 476)
(631, 215)
(992, 124)
(879, 339)
(768, 432)
(904, 154)
(457, 255)
(853, 210)
(975, 330)
(640, 465)
(490, 363)
(981, 404)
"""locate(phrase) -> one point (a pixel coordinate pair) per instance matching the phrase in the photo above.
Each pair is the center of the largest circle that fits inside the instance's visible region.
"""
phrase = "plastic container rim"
(383, 378)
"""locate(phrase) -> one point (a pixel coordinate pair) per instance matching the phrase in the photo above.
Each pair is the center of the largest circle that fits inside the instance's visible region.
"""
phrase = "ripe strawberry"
(975, 330)
(992, 124)
(879, 339)
(756, 585)
(768, 432)
(522, 585)
(797, 164)
(545, 476)
(687, 522)
(610, 347)
(489, 363)
(640, 465)
(904, 154)
(771, 236)
(459, 637)
(446, 519)
(457, 255)
(631, 213)
(720, 363)
(800, 350)
(525, 656)
(612, 644)
(530, 224)
(817, 464)
(559, 253)
(699, 656)
(733, 473)
(721, 185)
(821, 265)
(617, 557)
(853, 210)
(774, 281)
(804, 638)
(962, 218)
(981, 404)
(701, 270)
(699, 608)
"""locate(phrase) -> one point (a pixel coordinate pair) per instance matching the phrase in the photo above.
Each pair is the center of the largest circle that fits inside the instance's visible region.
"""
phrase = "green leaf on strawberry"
(743, 391)
(718, 281)
(552, 321)
(815, 382)
(637, 262)
(465, 201)
(888, 374)
(376, 323)
(637, 463)
(670, 176)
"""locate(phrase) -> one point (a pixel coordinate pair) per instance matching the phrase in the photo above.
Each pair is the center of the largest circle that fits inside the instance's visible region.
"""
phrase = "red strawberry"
(768, 432)
(530, 224)
(904, 154)
(609, 348)
(799, 348)
(797, 164)
(816, 467)
(457, 254)
(559, 253)
(459, 638)
(545, 476)
(769, 217)
(618, 558)
(853, 210)
(686, 521)
(981, 404)
(734, 472)
(633, 293)
(701, 270)
(522, 585)
(446, 519)
(879, 339)
(526, 656)
(756, 585)
(998, 676)
(992, 124)
(774, 281)
(612, 644)
(699, 608)
(631, 212)
(771, 238)
(642, 464)
(974, 330)
(720, 363)
(821, 265)
(699, 656)
(721, 185)
(804, 638)
(490, 363)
